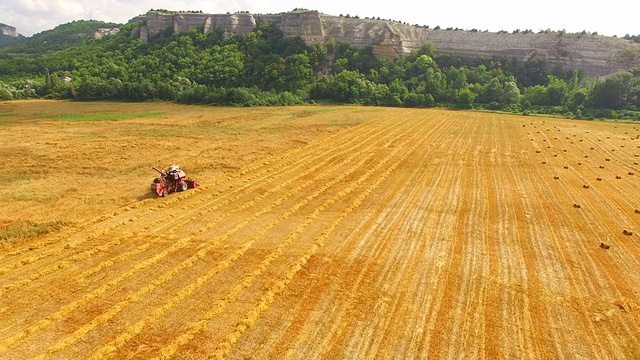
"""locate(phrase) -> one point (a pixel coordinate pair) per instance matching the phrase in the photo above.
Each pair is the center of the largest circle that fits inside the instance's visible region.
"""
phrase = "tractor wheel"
(183, 186)
(164, 193)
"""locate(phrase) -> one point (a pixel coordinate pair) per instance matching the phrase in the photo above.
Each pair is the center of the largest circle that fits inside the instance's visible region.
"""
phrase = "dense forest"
(264, 68)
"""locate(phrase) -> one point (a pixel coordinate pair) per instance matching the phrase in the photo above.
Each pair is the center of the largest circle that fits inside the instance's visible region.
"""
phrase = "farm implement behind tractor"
(172, 180)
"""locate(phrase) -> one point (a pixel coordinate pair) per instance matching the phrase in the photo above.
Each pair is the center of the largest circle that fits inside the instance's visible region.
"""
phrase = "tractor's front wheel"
(164, 193)
(183, 186)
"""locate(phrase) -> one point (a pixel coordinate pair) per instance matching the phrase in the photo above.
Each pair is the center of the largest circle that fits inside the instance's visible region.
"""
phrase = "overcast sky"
(612, 17)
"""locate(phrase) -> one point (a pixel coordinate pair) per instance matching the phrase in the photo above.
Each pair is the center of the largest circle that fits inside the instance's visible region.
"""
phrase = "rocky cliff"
(595, 55)
(8, 31)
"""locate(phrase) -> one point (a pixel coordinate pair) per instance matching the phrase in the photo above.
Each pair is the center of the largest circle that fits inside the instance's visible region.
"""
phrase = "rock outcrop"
(105, 31)
(7, 30)
(594, 54)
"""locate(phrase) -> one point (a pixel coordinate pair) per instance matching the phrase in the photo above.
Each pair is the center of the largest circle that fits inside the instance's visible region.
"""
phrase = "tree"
(465, 99)
(612, 92)
(556, 91)
(536, 95)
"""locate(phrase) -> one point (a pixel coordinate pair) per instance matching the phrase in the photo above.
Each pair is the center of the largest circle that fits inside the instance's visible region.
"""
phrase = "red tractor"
(171, 180)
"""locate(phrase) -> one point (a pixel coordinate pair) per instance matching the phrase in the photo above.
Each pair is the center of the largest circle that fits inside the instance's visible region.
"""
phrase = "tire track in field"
(202, 279)
(397, 217)
(516, 279)
(611, 280)
(69, 260)
(564, 261)
(222, 303)
(152, 226)
(279, 341)
(183, 293)
(399, 275)
(624, 188)
(70, 307)
(250, 318)
(607, 199)
(180, 244)
(396, 222)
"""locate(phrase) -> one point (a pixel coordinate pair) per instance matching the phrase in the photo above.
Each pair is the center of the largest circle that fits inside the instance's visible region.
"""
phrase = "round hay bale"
(604, 246)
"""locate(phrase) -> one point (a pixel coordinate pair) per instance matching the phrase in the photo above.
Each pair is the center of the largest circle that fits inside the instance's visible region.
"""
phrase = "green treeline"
(264, 68)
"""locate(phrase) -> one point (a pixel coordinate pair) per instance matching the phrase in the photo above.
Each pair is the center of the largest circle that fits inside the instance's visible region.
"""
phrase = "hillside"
(595, 55)
(9, 35)
(61, 37)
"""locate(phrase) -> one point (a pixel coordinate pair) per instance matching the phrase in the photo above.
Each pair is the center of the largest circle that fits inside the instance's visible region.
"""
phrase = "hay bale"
(585, 186)
(618, 177)
(607, 159)
(604, 246)
(599, 179)
(601, 167)
(537, 151)
(544, 162)
(627, 232)
(637, 211)
(577, 206)
(630, 173)
(566, 167)
(556, 177)
(579, 163)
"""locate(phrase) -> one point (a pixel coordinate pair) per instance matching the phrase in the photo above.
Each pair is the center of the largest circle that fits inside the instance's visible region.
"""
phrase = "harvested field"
(319, 233)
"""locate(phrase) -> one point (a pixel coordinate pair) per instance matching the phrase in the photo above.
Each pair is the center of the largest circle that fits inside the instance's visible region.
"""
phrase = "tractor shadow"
(147, 195)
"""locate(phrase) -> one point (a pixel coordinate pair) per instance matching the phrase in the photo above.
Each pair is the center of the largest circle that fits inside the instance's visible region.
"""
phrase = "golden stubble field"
(319, 232)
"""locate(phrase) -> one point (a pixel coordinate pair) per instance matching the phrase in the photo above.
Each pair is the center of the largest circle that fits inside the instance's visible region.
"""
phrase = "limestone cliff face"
(595, 55)
(8, 31)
